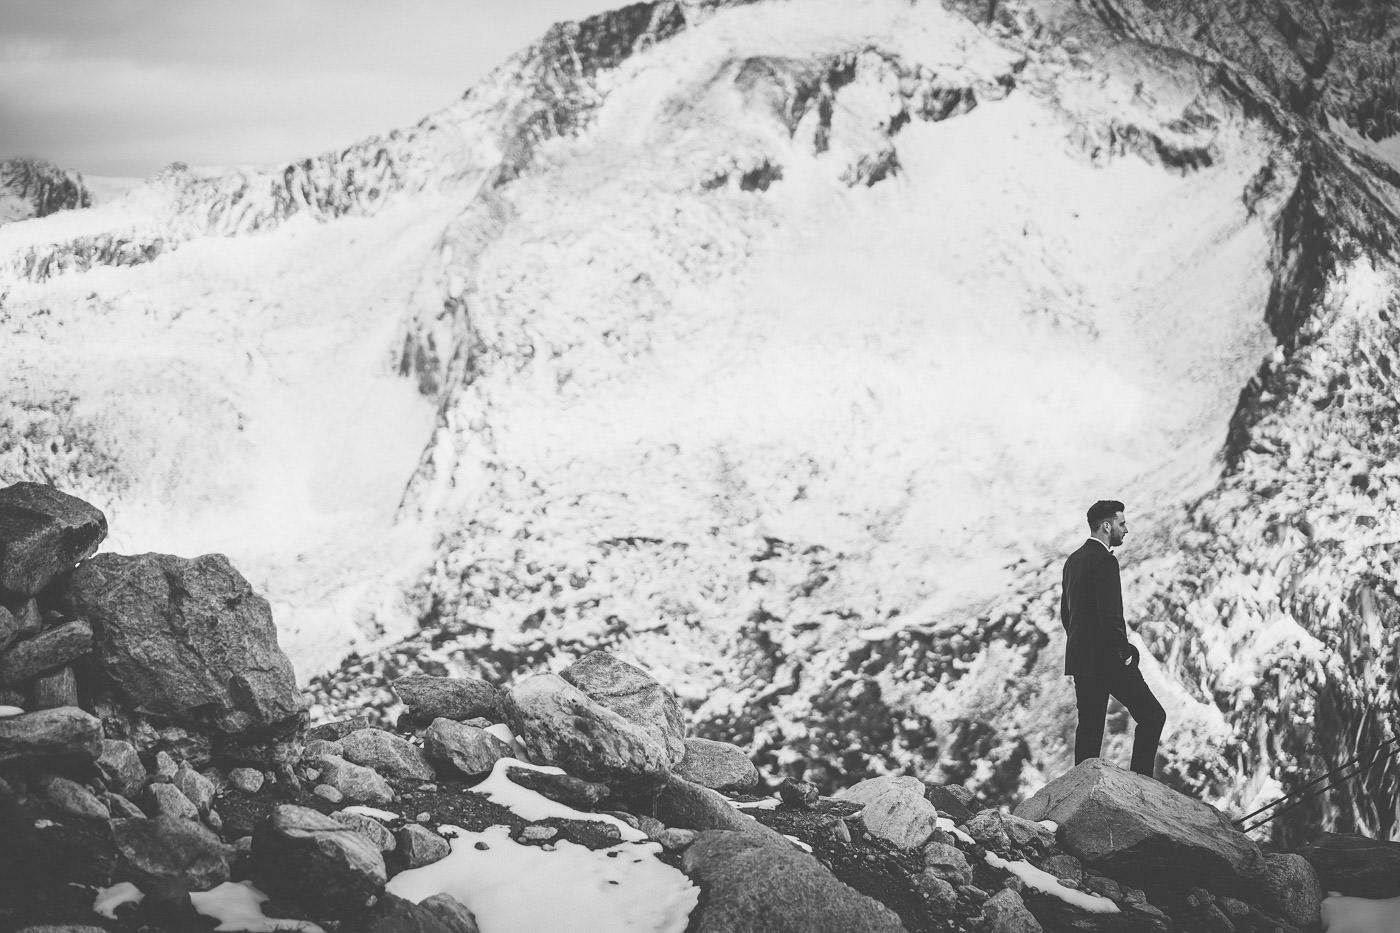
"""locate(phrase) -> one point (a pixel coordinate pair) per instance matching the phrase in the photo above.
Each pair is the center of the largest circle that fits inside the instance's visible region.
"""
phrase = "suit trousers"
(1125, 684)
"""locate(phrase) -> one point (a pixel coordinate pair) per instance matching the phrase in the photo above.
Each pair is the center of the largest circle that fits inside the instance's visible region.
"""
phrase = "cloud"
(126, 86)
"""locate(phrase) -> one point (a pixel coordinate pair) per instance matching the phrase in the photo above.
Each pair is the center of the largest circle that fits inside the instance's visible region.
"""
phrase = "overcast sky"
(124, 87)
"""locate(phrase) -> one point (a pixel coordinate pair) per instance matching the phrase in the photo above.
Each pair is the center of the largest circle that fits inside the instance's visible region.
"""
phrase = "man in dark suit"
(1098, 654)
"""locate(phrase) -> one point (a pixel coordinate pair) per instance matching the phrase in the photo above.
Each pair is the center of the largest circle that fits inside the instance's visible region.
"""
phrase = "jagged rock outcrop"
(43, 532)
(34, 188)
(187, 644)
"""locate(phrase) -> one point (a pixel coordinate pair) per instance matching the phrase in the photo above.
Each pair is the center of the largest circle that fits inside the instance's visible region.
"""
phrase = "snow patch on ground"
(621, 888)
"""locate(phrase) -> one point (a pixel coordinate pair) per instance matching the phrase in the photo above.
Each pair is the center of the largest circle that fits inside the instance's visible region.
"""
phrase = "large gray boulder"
(560, 725)
(459, 750)
(631, 693)
(894, 809)
(1137, 830)
(44, 532)
(312, 859)
(184, 642)
(61, 732)
(749, 887)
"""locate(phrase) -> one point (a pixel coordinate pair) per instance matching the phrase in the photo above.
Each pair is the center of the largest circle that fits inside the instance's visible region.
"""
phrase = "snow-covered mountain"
(781, 346)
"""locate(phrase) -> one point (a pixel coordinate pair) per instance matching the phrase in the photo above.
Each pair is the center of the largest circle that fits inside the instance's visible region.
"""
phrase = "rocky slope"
(31, 188)
(763, 343)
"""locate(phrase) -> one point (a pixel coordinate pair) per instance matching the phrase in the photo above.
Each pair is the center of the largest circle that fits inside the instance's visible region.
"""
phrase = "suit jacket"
(1091, 610)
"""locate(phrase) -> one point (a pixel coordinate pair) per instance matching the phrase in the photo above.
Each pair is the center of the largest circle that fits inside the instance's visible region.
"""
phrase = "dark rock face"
(185, 643)
(305, 856)
(749, 887)
(1141, 831)
(64, 732)
(1354, 865)
(43, 533)
(45, 186)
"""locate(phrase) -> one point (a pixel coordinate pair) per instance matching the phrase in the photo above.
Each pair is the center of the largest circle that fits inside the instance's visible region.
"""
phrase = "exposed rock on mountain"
(778, 347)
(33, 188)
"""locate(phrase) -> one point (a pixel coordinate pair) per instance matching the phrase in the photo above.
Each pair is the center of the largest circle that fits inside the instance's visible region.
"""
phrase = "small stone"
(481, 846)
(198, 788)
(939, 894)
(386, 753)
(31, 657)
(1064, 867)
(423, 817)
(58, 687)
(1103, 886)
(421, 846)
(328, 793)
(215, 822)
(1134, 896)
(537, 833)
(247, 780)
(243, 845)
(356, 782)
(947, 862)
(800, 795)
(972, 893)
(367, 826)
(120, 766)
(649, 825)
(30, 619)
(317, 749)
(1005, 912)
(675, 839)
(334, 731)
(73, 798)
(165, 765)
(122, 808)
(168, 800)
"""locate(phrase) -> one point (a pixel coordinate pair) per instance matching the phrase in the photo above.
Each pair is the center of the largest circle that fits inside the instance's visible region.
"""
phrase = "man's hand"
(1133, 656)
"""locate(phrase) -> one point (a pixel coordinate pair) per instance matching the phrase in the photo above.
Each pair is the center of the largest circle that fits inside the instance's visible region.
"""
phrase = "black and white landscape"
(779, 347)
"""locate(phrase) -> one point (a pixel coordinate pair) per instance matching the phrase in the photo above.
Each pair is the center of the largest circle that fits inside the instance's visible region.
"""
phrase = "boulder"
(717, 765)
(459, 698)
(386, 753)
(749, 887)
(9, 627)
(120, 766)
(355, 783)
(367, 826)
(43, 533)
(631, 693)
(300, 855)
(452, 913)
(49, 649)
(1005, 912)
(459, 750)
(419, 845)
(62, 732)
(1140, 831)
(1292, 891)
(947, 800)
(1354, 865)
(684, 805)
(894, 809)
(168, 848)
(73, 798)
(246, 780)
(564, 788)
(184, 642)
(560, 725)
(947, 862)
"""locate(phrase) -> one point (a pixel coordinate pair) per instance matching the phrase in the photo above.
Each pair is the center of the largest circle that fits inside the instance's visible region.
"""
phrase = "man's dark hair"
(1102, 510)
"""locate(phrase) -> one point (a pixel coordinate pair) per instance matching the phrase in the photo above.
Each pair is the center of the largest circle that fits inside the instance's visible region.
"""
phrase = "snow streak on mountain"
(781, 346)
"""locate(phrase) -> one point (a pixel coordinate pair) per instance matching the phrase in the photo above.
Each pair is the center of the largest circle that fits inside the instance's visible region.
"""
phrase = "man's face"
(1117, 530)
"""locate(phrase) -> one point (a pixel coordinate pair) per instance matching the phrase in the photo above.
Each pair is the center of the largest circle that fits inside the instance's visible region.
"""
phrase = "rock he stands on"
(459, 750)
(43, 533)
(1141, 831)
(389, 754)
